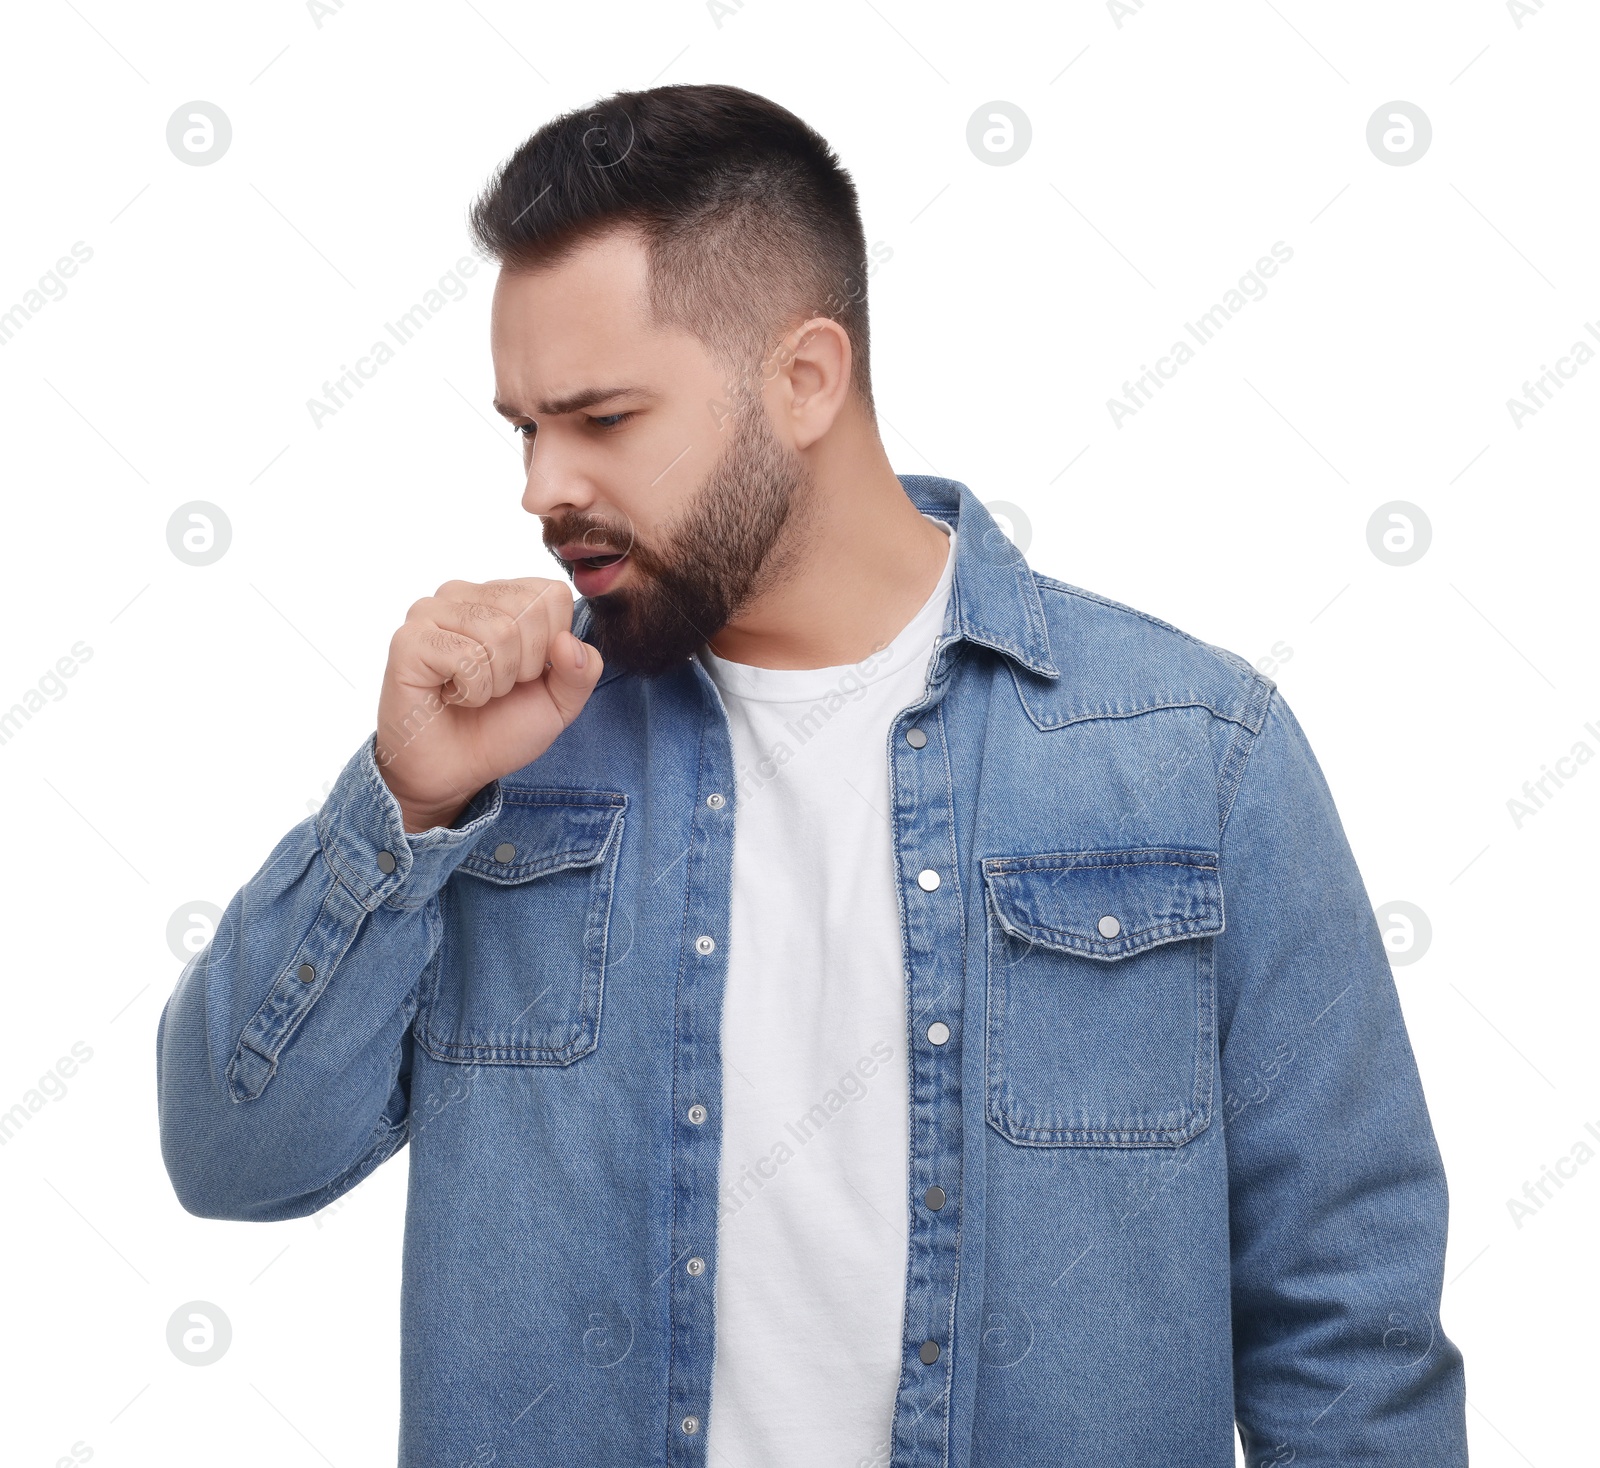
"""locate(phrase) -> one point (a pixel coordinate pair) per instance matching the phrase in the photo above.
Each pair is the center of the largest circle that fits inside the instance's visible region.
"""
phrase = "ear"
(812, 383)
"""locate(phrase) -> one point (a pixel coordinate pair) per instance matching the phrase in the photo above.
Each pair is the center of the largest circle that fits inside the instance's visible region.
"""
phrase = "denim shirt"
(1157, 1064)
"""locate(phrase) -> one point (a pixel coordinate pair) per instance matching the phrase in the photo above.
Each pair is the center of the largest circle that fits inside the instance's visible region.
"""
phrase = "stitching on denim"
(961, 1181)
(1231, 775)
(514, 873)
(676, 1147)
(511, 1051)
(279, 1014)
(1008, 1125)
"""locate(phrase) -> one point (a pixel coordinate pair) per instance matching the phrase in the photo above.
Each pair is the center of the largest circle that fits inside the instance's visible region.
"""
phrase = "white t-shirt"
(813, 1216)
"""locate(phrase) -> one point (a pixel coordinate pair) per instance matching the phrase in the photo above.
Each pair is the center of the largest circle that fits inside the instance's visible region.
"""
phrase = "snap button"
(697, 1113)
(696, 1266)
(938, 1032)
(1109, 926)
(504, 851)
(928, 879)
(691, 1425)
(916, 738)
(934, 1198)
(703, 944)
(307, 973)
(715, 800)
(386, 862)
(929, 1352)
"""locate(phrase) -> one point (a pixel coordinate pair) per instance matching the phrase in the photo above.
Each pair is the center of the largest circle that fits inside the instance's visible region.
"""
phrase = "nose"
(553, 484)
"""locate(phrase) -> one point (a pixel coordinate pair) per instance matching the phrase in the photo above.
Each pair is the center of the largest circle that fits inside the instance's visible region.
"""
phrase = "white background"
(1168, 154)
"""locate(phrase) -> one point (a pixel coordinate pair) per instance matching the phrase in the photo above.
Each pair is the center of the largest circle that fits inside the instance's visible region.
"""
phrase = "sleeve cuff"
(361, 832)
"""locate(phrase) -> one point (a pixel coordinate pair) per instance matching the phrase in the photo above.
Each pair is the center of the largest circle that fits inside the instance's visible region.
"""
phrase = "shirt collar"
(995, 600)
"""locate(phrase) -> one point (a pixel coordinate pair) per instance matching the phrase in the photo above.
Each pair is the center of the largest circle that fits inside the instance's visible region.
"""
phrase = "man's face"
(662, 487)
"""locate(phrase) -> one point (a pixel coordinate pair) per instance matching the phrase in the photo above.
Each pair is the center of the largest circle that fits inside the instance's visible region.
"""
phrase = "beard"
(720, 554)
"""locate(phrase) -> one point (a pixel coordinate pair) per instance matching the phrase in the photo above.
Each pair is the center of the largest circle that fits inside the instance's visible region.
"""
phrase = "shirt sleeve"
(283, 1055)
(1337, 1194)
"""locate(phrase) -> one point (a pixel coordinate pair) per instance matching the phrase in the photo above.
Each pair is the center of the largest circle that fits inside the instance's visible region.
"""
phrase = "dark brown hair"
(750, 223)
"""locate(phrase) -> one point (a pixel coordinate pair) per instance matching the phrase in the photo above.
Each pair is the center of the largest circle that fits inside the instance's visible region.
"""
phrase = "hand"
(481, 679)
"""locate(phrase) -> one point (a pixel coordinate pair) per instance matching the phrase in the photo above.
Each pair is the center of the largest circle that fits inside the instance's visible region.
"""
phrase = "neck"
(855, 564)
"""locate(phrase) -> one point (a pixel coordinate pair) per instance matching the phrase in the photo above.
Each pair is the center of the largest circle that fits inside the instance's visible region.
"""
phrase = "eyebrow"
(573, 402)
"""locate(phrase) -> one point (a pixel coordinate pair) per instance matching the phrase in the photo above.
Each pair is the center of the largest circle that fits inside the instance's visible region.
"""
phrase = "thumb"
(575, 668)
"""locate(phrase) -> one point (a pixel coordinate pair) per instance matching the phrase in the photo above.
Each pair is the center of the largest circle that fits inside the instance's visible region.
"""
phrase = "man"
(851, 999)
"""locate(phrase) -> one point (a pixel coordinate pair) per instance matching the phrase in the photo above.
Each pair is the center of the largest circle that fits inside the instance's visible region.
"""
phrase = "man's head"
(695, 254)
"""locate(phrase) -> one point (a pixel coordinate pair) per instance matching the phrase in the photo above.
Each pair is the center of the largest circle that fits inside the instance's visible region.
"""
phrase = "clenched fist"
(482, 677)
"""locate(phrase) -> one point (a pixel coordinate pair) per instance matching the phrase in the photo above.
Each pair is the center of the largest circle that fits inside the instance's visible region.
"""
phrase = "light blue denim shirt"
(1157, 1064)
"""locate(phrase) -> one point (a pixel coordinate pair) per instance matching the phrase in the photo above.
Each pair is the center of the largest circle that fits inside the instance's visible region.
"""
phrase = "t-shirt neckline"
(804, 685)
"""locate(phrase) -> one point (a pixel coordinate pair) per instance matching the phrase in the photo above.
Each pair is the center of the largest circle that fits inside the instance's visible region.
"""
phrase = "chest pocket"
(1101, 996)
(519, 976)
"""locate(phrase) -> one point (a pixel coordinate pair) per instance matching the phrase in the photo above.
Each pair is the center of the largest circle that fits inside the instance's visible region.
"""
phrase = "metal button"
(934, 1198)
(386, 862)
(929, 1352)
(691, 1425)
(1109, 926)
(504, 851)
(715, 800)
(928, 879)
(916, 738)
(938, 1032)
(697, 1113)
(696, 1266)
(307, 973)
(704, 944)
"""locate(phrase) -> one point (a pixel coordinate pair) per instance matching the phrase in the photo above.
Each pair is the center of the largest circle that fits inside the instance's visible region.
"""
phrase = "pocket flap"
(1106, 904)
(542, 831)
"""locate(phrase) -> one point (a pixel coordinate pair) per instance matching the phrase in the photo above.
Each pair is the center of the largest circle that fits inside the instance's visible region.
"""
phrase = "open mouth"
(594, 563)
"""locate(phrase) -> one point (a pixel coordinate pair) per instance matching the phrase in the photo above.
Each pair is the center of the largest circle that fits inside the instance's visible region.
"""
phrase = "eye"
(611, 420)
(527, 430)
